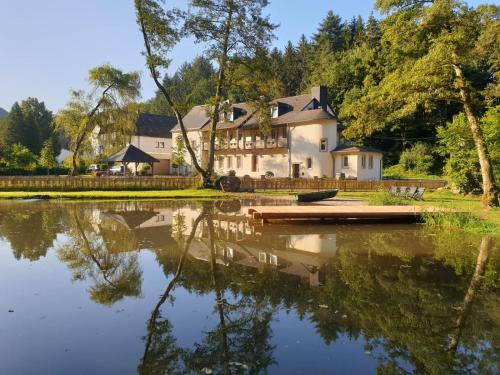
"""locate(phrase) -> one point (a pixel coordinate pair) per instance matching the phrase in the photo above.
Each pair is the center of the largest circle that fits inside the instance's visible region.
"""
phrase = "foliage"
(384, 198)
(178, 153)
(417, 159)
(453, 220)
(47, 155)
(20, 156)
(192, 84)
(457, 146)
(28, 123)
(110, 105)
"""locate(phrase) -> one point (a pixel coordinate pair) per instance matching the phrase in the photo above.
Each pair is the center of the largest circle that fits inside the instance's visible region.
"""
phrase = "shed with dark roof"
(132, 154)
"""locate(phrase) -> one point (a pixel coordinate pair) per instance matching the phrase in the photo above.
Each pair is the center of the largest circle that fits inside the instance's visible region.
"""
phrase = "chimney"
(321, 95)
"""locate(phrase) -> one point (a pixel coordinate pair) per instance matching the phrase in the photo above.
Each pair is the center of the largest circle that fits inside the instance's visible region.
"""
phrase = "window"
(160, 144)
(309, 163)
(274, 112)
(238, 162)
(346, 161)
(262, 257)
(370, 162)
(230, 116)
(254, 163)
(221, 162)
(229, 162)
(323, 144)
(363, 162)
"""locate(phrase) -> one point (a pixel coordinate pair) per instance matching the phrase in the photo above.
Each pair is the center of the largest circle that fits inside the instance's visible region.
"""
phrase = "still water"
(187, 287)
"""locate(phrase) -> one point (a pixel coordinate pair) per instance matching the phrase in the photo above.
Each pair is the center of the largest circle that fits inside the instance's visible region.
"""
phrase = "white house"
(303, 141)
(153, 135)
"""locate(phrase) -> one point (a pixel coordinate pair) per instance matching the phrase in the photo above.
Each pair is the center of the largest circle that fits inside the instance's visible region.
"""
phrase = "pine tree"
(331, 32)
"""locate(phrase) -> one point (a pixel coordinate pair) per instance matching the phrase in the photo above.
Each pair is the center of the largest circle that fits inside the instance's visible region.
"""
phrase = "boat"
(317, 196)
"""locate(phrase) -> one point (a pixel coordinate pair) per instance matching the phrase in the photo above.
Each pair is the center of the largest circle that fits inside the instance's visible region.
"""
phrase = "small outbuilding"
(132, 154)
(357, 162)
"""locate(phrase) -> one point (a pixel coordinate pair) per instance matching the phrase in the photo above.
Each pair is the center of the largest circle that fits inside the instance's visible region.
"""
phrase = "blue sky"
(47, 47)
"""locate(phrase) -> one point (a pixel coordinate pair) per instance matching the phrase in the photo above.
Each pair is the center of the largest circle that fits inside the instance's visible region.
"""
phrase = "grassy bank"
(101, 194)
(476, 219)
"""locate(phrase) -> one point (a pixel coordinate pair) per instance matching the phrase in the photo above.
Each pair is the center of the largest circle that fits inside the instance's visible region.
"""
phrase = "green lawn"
(101, 194)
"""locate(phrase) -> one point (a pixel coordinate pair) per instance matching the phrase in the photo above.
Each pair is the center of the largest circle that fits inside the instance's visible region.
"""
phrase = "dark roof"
(352, 149)
(149, 125)
(196, 118)
(132, 154)
(299, 108)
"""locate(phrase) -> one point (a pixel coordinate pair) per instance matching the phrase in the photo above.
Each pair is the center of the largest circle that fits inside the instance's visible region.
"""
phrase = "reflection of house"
(140, 229)
(153, 135)
(302, 255)
(302, 140)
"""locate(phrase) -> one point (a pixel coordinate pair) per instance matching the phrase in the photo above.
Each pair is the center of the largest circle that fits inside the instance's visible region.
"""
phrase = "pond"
(192, 287)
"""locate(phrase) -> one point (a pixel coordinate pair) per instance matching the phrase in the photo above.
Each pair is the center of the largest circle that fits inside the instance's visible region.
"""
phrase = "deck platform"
(266, 213)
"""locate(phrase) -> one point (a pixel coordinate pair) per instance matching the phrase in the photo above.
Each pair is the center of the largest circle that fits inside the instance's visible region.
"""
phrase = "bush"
(417, 159)
(383, 198)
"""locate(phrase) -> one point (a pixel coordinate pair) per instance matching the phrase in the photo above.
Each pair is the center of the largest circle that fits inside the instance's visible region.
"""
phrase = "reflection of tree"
(114, 276)
(161, 354)
(30, 231)
(408, 310)
(240, 341)
(472, 291)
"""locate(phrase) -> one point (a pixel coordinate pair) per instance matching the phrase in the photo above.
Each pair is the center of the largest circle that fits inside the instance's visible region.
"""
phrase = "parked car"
(93, 168)
(117, 170)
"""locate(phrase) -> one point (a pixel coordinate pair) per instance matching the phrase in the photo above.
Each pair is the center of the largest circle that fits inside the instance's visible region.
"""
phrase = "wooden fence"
(346, 185)
(53, 183)
(66, 183)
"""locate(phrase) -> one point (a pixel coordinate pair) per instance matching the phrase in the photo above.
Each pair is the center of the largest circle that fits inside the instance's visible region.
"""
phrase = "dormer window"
(230, 116)
(274, 111)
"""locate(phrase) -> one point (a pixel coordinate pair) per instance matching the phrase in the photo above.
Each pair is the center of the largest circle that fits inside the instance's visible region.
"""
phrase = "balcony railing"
(269, 143)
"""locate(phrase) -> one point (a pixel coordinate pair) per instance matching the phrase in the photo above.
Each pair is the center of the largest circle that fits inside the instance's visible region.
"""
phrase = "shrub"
(417, 159)
(383, 198)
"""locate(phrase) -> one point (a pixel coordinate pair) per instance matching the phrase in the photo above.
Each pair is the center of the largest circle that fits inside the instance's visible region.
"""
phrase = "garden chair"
(402, 191)
(419, 194)
(394, 191)
(411, 192)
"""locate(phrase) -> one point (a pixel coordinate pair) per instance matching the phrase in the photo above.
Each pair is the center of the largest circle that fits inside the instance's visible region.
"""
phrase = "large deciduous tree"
(228, 28)
(110, 106)
(437, 52)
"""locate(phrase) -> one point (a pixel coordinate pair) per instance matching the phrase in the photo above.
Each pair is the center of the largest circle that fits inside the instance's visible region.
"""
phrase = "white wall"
(195, 139)
(355, 166)
(368, 173)
(305, 143)
(351, 170)
(149, 146)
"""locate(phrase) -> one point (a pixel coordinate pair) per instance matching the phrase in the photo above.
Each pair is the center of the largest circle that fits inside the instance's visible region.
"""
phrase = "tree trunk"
(490, 194)
(154, 74)
(218, 92)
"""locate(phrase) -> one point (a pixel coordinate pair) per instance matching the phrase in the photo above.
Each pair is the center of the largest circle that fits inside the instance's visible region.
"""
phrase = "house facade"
(153, 135)
(302, 142)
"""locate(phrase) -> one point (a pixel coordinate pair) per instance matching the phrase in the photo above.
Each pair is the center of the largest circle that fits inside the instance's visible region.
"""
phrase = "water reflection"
(413, 300)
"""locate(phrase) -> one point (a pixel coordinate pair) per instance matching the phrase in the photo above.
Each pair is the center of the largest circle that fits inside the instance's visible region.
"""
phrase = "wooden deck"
(266, 213)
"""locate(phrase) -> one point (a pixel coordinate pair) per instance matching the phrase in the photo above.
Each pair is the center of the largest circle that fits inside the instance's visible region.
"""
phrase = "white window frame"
(321, 148)
(238, 162)
(370, 162)
(229, 162)
(274, 112)
(363, 161)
